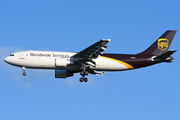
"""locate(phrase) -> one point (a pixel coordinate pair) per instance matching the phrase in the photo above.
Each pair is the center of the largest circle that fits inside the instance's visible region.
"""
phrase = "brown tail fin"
(161, 45)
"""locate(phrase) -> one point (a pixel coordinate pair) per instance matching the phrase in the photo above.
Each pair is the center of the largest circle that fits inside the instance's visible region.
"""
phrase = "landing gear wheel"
(82, 73)
(24, 73)
(81, 80)
(86, 73)
(85, 80)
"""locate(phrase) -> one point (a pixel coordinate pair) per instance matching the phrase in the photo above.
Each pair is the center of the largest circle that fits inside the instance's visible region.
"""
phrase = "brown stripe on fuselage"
(136, 61)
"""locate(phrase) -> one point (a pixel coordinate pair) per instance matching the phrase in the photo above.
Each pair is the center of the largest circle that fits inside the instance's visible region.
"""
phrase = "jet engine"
(63, 73)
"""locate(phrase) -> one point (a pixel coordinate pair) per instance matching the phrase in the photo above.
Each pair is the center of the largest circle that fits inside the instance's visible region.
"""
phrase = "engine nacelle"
(63, 73)
(61, 62)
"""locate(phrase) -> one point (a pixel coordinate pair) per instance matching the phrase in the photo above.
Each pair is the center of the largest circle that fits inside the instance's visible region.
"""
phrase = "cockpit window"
(11, 54)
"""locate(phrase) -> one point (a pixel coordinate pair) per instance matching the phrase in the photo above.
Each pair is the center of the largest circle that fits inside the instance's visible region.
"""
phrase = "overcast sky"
(150, 93)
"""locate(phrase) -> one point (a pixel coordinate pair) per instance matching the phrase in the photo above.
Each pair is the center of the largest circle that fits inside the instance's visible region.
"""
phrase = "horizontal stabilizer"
(164, 55)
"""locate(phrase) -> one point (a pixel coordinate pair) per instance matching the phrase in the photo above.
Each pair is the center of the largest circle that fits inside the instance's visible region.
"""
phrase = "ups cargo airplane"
(92, 60)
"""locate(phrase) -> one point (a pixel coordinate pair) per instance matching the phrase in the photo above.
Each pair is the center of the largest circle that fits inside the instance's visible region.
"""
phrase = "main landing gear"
(83, 73)
(83, 78)
(24, 71)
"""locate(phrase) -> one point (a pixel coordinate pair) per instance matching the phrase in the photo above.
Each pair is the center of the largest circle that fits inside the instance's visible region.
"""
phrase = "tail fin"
(161, 45)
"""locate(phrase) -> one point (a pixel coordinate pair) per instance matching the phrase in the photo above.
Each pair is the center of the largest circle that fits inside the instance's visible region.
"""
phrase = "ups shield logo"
(163, 44)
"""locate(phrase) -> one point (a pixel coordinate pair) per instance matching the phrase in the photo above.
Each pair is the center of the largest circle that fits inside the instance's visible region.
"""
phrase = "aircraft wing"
(87, 55)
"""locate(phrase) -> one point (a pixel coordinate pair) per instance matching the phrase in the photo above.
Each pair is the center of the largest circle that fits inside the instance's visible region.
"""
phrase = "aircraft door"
(24, 57)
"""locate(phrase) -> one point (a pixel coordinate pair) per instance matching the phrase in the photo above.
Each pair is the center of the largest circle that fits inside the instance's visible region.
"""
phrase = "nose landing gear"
(24, 73)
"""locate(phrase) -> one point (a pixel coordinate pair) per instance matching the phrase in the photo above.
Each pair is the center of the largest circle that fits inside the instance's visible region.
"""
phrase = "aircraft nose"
(6, 59)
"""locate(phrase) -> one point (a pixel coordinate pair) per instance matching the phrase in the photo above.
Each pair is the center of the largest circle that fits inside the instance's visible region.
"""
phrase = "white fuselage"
(51, 60)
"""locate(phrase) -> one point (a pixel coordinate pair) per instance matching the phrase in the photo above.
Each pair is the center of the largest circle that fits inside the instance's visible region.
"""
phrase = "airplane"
(92, 60)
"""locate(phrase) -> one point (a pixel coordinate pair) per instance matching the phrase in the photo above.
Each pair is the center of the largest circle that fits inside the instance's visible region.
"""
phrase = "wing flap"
(92, 52)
